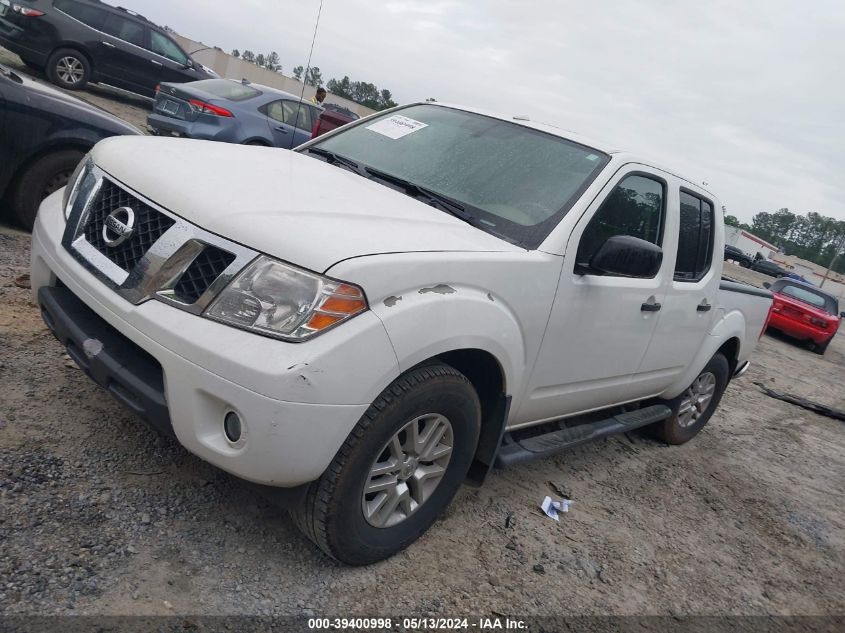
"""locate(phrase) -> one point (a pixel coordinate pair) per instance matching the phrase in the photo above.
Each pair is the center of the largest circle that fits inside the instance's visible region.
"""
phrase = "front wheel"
(692, 409)
(45, 176)
(398, 470)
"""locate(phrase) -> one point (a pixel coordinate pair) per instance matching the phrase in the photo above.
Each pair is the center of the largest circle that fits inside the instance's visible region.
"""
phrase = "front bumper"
(297, 402)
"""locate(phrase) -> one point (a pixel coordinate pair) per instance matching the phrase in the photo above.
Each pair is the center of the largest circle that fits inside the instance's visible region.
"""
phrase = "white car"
(393, 308)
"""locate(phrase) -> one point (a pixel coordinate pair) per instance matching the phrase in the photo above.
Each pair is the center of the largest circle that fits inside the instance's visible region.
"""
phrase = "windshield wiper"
(447, 204)
(334, 159)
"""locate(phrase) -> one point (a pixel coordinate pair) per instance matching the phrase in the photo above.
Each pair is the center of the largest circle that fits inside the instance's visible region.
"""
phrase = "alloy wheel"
(696, 399)
(408, 470)
(70, 70)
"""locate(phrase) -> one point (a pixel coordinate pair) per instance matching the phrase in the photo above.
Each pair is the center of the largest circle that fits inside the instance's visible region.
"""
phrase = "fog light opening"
(232, 427)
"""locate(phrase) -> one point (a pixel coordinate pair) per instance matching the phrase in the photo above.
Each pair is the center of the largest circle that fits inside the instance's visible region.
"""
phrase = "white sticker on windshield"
(592, 157)
(396, 126)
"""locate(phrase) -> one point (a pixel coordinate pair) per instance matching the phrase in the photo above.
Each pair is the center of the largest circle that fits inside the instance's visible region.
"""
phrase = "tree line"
(362, 92)
(814, 237)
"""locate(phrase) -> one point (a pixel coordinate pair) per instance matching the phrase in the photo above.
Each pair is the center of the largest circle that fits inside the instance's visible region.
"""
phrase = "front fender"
(424, 322)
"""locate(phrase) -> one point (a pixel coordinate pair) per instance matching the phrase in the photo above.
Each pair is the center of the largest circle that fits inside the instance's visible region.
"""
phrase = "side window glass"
(124, 29)
(164, 46)
(695, 238)
(85, 13)
(635, 207)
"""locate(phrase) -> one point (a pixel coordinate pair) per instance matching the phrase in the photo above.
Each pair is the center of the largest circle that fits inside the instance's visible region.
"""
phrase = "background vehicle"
(43, 135)
(372, 318)
(77, 41)
(332, 117)
(805, 312)
(733, 253)
(768, 268)
(232, 112)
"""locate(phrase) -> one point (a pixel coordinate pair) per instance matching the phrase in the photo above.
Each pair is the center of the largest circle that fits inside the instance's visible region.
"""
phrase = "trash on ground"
(821, 409)
(552, 507)
(22, 281)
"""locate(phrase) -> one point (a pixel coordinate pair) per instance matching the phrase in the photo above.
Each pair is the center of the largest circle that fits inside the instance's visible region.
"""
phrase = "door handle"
(154, 62)
(281, 129)
(107, 44)
(704, 306)
(651, 305)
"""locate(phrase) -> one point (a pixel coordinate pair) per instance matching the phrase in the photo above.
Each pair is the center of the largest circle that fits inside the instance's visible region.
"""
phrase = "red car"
(804, 312)
(333, 116)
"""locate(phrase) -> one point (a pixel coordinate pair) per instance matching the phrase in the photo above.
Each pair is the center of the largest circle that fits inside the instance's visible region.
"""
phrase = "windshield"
(514, 182)
(807, 295)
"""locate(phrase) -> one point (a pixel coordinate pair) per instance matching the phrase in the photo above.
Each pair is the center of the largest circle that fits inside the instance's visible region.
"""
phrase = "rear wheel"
(68, 68)
(692, 409)
(398, 470)
(819, 348)
(45, 176)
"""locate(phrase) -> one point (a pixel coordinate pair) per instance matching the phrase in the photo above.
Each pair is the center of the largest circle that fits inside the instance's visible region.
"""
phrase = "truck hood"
(288, 205)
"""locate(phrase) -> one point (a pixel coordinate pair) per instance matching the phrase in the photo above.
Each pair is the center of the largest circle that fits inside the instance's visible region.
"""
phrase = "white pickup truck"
(393, 308)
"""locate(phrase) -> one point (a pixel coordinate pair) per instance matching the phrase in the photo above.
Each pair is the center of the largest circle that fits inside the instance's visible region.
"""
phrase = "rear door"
(601, 325)
(125, 63)
(289, 124)
(690, 302)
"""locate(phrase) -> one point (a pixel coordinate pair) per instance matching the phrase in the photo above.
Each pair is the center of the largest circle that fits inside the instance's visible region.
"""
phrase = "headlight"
(278, 300)
(72, 187)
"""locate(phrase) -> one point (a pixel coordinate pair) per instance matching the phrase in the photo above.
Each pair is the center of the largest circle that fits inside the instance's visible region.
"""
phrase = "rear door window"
(85, 13)
(635, 207)
(695, 238)
(123, 29)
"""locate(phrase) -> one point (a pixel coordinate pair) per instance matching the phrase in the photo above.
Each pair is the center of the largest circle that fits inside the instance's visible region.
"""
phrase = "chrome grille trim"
(160, 268)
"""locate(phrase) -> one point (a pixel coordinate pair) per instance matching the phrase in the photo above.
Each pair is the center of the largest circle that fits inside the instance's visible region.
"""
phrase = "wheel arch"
(487, 376)
(75, 46)
(58, 145)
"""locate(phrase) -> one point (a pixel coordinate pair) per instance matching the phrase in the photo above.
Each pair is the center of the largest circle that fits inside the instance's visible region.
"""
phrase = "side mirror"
(766, 285)
(842, 314)
(627, 256)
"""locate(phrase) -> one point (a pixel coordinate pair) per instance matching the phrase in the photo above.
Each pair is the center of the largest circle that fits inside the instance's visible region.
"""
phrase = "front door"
(601, 325)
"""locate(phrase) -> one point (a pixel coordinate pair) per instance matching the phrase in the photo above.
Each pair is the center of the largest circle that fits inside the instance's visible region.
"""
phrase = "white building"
(748, 243)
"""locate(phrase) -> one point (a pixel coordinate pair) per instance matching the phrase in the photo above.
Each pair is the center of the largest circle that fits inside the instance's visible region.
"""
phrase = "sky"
(746, 96)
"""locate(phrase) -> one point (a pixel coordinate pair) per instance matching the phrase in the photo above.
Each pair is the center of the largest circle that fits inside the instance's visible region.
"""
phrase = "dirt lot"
(98, 515)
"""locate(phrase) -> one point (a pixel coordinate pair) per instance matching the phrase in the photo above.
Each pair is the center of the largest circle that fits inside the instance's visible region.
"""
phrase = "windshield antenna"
(305, 76)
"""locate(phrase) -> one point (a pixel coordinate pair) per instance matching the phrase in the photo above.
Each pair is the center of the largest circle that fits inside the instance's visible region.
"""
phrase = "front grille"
(149, 225)
(202, 272)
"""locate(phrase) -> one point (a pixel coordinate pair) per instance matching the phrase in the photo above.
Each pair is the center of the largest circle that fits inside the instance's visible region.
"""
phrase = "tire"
(820, 348)
(332, 513)
(69, 69)
(745, 264)
(257, 143)
(684, 424)
(43, 177)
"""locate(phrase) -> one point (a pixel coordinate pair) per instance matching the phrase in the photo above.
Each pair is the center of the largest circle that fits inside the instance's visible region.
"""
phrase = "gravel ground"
(100, 516)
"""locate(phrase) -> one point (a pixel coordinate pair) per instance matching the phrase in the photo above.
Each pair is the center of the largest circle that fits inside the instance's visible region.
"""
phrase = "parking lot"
(99, 515)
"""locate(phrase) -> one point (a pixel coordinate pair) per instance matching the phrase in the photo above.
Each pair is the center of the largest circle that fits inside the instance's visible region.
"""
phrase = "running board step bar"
(515, 451)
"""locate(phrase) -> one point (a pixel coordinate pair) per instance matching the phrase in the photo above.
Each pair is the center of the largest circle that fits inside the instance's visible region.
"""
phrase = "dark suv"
(77, 41)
